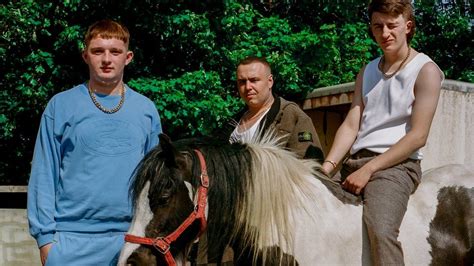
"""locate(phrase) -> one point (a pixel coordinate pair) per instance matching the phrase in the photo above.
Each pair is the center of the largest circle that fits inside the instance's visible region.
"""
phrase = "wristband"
(334, 164)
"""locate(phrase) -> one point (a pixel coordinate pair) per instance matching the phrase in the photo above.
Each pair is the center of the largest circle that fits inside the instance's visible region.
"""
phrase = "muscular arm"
(427, 90)
(347, 132)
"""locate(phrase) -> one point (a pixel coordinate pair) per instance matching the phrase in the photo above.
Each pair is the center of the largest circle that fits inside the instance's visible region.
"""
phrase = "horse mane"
(148, 167)
(279, 187)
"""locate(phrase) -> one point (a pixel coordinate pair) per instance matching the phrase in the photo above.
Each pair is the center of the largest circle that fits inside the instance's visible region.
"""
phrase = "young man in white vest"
(394, 103)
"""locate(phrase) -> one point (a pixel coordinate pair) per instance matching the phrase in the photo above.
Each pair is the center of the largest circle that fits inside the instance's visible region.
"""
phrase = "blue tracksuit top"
(84, 160)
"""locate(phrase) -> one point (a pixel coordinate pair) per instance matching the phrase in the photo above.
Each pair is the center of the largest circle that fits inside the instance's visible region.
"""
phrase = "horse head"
(161, 193)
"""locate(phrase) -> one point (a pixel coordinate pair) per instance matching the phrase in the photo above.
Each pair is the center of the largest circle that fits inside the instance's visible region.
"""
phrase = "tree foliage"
(448, 38)
(186, 53)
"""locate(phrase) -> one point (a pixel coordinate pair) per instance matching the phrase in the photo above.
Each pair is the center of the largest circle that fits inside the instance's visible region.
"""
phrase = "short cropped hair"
(393, 8)
(107, 29)
(255, 59)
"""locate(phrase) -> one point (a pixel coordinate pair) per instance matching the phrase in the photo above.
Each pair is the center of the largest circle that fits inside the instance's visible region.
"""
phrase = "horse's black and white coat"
(263, 198)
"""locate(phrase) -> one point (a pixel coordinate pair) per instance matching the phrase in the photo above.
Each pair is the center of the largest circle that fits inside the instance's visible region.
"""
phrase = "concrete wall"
(452, 131)
(17, 247)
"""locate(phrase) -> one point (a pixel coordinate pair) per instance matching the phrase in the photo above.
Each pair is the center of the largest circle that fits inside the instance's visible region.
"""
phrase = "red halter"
(162, 244)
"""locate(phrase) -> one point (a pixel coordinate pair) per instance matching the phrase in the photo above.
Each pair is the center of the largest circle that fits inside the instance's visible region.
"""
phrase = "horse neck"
(228, 168)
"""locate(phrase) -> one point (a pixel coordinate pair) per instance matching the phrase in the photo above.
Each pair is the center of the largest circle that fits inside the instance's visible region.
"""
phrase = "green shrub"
(186, 53)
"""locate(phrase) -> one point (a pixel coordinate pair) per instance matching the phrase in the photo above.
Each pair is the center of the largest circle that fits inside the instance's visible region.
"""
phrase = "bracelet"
(333, 163)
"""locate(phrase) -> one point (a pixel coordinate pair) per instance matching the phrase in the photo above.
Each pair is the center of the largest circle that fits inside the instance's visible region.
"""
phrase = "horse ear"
(168, 150)
(164, 139)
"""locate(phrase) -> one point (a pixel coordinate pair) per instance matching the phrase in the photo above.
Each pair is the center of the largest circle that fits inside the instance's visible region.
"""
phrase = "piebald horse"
(263, 201)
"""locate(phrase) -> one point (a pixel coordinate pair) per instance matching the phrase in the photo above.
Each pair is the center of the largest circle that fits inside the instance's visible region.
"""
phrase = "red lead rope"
(162, 244)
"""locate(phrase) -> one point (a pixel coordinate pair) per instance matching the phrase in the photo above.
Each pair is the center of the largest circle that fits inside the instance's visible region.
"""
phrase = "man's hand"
(356, 181)
(44, 250)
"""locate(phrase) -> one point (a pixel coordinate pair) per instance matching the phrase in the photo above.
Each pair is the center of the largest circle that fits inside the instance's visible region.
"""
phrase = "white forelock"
(141, 218)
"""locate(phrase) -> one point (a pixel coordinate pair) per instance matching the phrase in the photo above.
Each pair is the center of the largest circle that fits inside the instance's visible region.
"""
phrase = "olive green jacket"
(295, 128)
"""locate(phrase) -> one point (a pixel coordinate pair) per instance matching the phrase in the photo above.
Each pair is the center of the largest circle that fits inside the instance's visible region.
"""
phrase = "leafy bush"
(193, 104)
(186, 53)
(448, 38)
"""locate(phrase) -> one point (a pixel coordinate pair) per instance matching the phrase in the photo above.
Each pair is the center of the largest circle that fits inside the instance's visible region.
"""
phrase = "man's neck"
(254, 114)
(395, 56)
(253, 111)
(112, 88)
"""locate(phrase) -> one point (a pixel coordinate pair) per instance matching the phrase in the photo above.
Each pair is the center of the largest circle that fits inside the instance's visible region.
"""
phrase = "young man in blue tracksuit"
(90, 140)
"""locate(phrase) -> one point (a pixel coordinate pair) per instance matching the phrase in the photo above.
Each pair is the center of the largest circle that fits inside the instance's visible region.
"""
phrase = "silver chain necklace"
(382, 65)
(102, 108)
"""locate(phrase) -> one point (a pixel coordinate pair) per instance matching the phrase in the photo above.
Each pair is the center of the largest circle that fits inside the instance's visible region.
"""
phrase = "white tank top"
(248, 134)
(387, 106)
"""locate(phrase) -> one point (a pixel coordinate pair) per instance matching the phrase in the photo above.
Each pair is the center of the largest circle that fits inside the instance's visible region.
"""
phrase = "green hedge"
(186, 52)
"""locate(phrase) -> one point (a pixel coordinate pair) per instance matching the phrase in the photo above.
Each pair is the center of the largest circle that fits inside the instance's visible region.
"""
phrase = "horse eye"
(163, 199)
